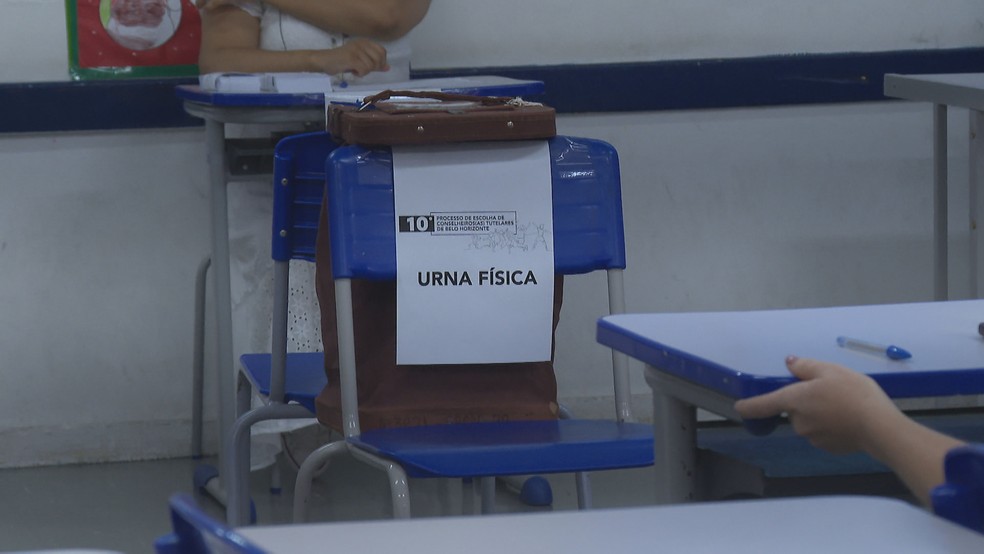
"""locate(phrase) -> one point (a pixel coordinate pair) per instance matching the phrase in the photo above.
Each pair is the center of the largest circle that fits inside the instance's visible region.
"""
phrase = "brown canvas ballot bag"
(392, 395)
(395, 117)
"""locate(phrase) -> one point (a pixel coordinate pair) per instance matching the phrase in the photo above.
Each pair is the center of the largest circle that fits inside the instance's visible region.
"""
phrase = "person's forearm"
(254, 60)
(913, 451)
(376, 19)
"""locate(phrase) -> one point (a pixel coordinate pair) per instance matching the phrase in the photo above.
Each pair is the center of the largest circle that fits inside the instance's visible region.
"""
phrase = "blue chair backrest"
(299, 186)
(587, 209)
(961, 498)
(194, 532)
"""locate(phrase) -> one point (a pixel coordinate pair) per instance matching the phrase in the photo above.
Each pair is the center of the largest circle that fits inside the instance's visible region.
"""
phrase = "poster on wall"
(132, 38)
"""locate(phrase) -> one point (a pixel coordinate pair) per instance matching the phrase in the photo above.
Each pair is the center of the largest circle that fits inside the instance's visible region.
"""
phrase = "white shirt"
(281, 31)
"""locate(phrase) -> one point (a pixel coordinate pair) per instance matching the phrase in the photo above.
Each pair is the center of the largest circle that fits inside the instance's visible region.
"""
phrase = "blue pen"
(893, 352)
(345, 78)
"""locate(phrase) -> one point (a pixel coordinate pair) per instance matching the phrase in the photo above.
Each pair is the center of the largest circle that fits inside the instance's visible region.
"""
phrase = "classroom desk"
(220, 109)
(709, 360)
(962, 90)
(805, 525)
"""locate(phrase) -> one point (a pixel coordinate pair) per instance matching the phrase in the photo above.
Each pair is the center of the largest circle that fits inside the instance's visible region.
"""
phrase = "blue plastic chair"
(287, 383)
(588, 236)
(194, 532)
(961, 498)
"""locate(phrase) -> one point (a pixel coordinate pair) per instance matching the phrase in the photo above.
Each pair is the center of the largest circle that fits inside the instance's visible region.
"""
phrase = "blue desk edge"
(570, 88)
(912, 384)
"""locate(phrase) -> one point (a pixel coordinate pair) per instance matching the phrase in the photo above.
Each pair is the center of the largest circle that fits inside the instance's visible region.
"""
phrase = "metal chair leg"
(237, 484)
(314, 464)
(487, 485)
(584, 499)
(198, 359)
(399, 485)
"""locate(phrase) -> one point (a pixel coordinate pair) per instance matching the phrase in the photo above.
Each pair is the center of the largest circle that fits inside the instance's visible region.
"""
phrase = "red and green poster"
(132, 38)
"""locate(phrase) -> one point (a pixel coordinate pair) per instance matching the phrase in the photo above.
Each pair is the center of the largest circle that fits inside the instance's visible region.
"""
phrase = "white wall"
(33, 39)
(469, 33)
(98, 237)
(100, 233)
(472, 33)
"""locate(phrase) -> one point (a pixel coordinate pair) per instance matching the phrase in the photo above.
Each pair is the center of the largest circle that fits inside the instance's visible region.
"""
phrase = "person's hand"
(358, 56)
(833, 406)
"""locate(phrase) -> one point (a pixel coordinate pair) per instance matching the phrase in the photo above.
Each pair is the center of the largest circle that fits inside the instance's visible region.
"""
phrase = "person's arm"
(377, 19)
(843, 411)
(383, 20)
(231, 43)
(914, 452)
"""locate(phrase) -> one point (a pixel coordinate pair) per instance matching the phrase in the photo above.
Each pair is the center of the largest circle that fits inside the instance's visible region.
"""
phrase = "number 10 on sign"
(416, 224)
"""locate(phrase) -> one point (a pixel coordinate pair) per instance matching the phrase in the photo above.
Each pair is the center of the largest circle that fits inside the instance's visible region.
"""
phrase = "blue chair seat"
(304, 379)
(512, 448)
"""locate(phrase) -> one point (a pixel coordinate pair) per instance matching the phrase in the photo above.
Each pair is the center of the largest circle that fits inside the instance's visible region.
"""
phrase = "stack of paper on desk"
(284, 83)
(340, 90)
(482, 85)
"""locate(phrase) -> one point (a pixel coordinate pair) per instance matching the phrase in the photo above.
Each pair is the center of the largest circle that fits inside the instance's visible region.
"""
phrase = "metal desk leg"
(198, 361)
(939, 203)
(215, 142)
(675, 443)
(976, 204)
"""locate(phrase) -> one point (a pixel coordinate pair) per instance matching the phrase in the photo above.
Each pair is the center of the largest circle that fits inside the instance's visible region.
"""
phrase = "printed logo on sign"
(460, 223)
(416, 223)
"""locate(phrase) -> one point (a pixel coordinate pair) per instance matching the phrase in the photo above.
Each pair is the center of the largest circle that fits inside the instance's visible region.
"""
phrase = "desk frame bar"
(976, 200)
(218, 169)
(963, 90)
(675, 442)
(940, 230)
(216, 118)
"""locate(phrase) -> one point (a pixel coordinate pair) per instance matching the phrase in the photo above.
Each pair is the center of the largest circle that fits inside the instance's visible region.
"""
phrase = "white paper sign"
(474, 252)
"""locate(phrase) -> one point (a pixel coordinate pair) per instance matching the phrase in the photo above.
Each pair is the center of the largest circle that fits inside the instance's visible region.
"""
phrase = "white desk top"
(803, 525)
(964, 90)
(742, 353)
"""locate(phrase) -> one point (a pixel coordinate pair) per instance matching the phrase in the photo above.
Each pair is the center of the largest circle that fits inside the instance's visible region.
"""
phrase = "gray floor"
(123, 506)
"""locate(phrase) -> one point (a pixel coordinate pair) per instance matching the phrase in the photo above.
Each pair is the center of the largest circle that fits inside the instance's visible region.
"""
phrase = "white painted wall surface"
(98, 237)
(470, 33)
(33, 41)
(100, 233)
(473, 33)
